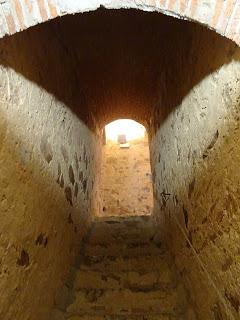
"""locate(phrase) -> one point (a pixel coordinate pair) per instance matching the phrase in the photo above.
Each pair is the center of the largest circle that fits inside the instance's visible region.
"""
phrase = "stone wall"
(195, 156)
(126, 183)
(47, 169)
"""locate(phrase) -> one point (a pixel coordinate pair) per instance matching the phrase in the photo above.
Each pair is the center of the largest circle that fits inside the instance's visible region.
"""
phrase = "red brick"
(29, 5)
(217, 12)
(42, 9)
(232, 29)
(193, 7)
(163, 3)
(171, 4)
(183, 5)
(221, 19)
(227, 14)
(11, 24)
(19, 13)
(52, 8)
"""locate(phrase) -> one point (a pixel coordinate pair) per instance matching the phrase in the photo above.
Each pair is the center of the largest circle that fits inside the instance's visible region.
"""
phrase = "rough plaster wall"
(195, 156)
(47, 174)
(126, 183)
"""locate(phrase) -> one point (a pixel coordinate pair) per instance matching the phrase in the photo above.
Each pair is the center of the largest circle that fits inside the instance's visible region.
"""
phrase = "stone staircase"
(124, 274)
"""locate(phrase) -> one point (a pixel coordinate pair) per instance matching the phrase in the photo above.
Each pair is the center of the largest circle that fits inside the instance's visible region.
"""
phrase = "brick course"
(222, 16)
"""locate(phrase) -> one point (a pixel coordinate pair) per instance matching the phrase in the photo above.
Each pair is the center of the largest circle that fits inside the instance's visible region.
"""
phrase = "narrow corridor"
(125, 273)
(69, 68)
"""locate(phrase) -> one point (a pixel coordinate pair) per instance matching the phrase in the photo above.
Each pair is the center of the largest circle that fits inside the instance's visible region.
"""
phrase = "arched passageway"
(219, 15)
(61, 83)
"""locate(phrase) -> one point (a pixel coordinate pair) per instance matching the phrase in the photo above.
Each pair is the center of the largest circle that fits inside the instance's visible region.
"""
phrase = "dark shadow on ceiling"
(111, 64)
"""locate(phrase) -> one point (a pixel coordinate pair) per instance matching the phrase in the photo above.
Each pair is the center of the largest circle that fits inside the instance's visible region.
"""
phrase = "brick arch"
(223, 16)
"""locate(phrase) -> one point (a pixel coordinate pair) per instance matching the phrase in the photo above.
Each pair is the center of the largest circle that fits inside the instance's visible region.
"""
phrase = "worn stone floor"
(124, 273)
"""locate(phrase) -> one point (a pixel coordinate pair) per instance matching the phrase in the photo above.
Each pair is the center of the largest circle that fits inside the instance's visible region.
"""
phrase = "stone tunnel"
(61, 82)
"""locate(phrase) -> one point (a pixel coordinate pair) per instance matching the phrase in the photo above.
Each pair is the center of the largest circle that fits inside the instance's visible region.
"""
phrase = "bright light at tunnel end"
(130, 128)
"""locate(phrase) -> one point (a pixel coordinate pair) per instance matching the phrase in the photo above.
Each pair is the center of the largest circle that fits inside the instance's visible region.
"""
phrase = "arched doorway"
(126, 186)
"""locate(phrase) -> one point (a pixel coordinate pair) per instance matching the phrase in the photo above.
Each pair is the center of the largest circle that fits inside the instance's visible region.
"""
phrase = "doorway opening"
(126, 180)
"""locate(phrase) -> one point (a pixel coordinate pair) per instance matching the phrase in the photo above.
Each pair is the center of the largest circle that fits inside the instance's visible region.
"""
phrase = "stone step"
(147, 281)
(122, 229)
(129, 220)
(124, 317)
(105, 237)
(123, 274)
(123, 224)
(124, 250)
(125, 301)
(138, 236)
(115, 230)
(121, 264)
